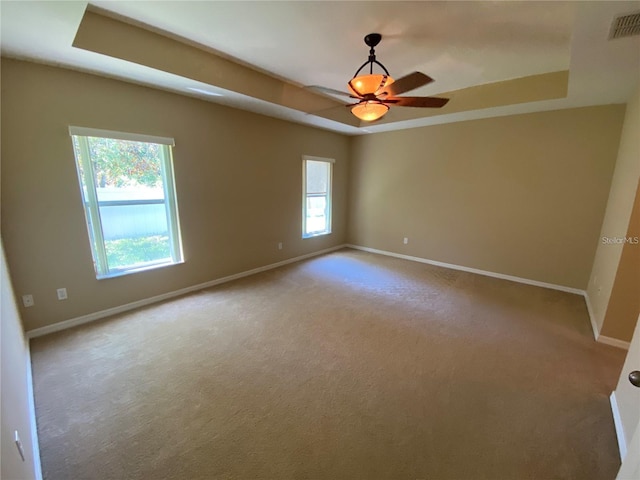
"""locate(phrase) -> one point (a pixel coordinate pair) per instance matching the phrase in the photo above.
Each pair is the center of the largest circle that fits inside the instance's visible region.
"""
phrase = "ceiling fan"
(376, 92)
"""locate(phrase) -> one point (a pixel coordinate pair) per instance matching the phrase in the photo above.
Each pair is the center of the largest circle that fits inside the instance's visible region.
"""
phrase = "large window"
(316, 196)
(129, 200)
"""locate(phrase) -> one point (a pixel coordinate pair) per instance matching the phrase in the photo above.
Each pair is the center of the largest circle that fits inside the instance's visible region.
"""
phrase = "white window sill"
(315, 234)
(144, 268)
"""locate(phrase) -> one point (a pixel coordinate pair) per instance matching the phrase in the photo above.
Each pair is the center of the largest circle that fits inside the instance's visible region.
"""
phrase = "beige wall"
(14, 387)
(238, 181)
(616, 220)
(624, 303)
(522, 195)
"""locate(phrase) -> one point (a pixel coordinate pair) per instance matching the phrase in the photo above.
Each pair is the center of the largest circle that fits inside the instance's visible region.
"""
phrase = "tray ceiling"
(491, 58)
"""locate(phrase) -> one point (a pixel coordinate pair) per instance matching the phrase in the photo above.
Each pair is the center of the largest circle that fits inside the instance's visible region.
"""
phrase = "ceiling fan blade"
(422, 102)
(329, 91)
(406, 83)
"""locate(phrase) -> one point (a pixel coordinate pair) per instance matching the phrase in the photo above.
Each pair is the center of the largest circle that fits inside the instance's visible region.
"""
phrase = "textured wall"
(238, 181)
(522, 195)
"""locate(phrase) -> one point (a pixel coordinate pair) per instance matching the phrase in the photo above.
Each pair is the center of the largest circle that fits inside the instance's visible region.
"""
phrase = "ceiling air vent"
(625, 26)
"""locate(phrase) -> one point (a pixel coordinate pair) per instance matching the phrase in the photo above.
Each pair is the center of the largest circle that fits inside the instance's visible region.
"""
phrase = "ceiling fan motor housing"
(373, 39)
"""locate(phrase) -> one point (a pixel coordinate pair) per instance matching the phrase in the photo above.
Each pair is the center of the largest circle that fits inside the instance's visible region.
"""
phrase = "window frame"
(91, 204)
(329, 196)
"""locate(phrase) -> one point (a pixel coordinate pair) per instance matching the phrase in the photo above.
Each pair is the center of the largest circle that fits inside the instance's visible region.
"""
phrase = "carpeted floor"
(346, 366)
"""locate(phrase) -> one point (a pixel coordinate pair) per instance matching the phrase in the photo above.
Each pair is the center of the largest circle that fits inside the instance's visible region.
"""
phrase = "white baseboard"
(596, 334)
(614, 342)
(73, 322)
(486, 273)
(35, 444)
(617, 421)
(38, 332)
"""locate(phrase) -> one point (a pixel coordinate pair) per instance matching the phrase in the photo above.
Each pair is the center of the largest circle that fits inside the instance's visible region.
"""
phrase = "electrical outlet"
(405, 240)
(62, 293)
(279, 245)
(27, 300)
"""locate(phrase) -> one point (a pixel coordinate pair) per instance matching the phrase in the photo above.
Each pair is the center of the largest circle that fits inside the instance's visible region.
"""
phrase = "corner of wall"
(592, 315)
(615, 223)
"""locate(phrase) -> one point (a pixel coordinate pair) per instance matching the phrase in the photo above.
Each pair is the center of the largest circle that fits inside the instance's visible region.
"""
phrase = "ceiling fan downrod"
(372, 40)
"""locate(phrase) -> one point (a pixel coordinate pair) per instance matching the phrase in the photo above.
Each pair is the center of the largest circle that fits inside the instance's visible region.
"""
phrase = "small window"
(316, 196)
(129, 200)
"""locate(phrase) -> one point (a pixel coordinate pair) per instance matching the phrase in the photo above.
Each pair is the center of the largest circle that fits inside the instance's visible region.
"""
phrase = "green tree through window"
(129, 199)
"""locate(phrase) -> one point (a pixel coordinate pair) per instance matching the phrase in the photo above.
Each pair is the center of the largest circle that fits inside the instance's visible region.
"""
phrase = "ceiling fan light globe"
(369, 111)
(365, 84)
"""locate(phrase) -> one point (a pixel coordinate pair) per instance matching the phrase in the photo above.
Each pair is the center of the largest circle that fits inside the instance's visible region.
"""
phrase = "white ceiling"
(459, 44)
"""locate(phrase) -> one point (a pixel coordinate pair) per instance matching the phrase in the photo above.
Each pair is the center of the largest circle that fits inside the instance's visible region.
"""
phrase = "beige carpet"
(346, 366)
